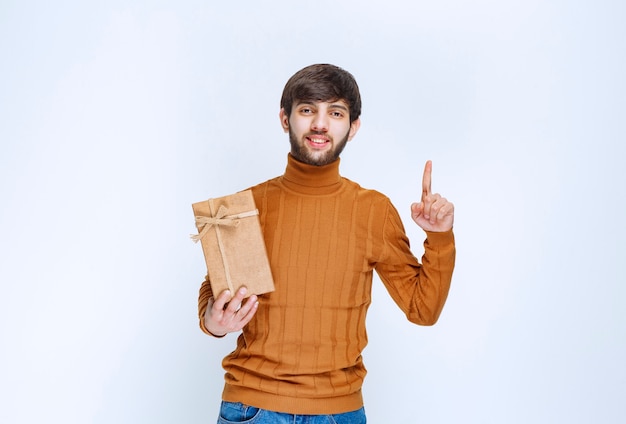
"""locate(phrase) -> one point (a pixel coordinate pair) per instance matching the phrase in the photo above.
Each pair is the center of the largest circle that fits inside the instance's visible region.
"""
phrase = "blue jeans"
(231, 412)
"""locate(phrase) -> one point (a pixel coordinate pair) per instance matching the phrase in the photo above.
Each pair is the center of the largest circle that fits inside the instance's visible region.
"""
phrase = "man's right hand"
(226, 315)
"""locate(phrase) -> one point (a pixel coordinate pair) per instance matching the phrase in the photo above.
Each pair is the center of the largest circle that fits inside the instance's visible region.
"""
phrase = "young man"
(300, 349)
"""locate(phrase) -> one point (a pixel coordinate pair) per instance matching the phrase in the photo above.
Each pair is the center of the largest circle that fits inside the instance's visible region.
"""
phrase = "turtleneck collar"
(311, 179)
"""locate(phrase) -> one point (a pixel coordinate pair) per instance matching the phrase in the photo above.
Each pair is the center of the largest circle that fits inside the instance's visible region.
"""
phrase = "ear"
(284, 119)
(354, 128)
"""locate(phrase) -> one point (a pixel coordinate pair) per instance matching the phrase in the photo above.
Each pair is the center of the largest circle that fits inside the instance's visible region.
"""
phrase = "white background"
(116, 116)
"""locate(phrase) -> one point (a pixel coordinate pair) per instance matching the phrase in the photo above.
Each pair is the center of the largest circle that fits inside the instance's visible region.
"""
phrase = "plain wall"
(116, 116)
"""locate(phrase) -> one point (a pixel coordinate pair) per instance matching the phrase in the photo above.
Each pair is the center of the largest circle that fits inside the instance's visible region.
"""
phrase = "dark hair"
(322, 83)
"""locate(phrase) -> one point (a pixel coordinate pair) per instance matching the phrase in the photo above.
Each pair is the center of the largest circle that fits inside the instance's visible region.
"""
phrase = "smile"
(317, 140)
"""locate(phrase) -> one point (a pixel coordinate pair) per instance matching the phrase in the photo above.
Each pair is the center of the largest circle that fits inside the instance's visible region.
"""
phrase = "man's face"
(318, 131)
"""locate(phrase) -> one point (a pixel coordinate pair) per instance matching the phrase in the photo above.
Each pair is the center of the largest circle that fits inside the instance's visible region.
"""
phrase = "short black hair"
(322, 83)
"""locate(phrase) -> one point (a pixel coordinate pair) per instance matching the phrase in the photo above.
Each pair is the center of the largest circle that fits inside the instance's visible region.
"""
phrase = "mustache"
(310, 133)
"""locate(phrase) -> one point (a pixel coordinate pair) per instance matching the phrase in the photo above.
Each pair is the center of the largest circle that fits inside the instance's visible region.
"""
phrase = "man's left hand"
(433, 213)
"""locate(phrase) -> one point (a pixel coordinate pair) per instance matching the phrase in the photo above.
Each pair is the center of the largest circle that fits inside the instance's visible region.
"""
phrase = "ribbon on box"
(220, 219)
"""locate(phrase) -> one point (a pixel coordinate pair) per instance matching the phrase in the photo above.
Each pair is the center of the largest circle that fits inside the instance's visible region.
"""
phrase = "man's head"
(322, 83)
(320, 109)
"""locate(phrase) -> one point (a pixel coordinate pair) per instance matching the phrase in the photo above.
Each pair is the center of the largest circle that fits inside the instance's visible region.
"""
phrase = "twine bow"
(218, 220)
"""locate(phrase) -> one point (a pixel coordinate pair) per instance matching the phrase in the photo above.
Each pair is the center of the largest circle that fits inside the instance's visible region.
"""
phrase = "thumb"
(417, 209)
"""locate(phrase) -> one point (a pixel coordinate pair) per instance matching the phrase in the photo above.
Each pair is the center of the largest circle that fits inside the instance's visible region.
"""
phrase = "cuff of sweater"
(440, 239)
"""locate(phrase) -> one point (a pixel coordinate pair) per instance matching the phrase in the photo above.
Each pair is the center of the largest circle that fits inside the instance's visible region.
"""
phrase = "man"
(300, 349)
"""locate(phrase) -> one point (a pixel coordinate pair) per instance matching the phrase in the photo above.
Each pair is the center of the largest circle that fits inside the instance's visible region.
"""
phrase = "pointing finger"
(426, 180)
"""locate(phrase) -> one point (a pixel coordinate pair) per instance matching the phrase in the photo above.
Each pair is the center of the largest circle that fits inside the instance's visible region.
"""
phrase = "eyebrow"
(339, 106)
(333, 105)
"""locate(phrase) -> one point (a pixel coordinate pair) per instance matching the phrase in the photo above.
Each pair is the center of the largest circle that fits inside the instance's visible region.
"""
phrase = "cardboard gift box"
(233, 245)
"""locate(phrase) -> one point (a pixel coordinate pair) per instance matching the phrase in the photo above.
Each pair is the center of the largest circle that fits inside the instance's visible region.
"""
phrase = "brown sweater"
(325, 235)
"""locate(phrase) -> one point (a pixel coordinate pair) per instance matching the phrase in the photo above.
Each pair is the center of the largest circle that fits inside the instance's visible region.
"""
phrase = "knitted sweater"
(324, 234)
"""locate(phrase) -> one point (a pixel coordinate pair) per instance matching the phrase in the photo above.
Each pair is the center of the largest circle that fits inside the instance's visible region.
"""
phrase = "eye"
(306, 110)
(336, 114)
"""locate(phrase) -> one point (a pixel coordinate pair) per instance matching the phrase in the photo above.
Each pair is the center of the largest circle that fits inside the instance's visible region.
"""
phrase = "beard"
(300, 151)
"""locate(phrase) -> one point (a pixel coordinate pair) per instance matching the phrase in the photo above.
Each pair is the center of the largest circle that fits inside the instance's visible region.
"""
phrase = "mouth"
(317, 141)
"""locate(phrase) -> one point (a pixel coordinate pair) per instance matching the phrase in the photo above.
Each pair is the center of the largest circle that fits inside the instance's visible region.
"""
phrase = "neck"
(312, 179)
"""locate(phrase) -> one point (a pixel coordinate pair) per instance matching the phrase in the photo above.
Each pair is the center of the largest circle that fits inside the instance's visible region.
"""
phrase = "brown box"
(233, 244)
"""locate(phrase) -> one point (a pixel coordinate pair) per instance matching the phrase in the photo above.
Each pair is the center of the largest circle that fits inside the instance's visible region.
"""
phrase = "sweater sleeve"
(420, 290)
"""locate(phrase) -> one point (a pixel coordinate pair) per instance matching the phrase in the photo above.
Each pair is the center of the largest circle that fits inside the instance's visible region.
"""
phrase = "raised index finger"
(426, 187)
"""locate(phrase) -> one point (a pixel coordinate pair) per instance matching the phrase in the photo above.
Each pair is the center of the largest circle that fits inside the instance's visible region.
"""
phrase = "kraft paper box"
(233, 245)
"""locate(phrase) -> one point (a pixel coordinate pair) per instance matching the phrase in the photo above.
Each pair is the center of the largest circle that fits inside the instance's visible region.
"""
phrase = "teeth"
(318, 140)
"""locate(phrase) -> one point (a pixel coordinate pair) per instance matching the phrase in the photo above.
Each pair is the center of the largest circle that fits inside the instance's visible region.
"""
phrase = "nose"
(320, 122)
